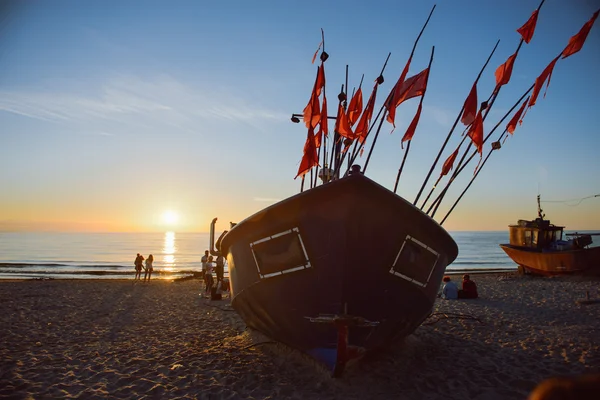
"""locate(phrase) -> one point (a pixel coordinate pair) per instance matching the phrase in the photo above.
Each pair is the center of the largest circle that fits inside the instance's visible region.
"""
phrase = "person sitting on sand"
(208, 278)
(450, 290)
(469, 288)
(149, 269)
(138, 266)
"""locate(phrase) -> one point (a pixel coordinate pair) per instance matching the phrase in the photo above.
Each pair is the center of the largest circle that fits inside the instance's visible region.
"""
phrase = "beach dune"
(120, 339)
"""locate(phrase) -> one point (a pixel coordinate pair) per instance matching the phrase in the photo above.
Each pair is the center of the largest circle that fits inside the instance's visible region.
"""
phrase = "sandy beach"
(120, 339)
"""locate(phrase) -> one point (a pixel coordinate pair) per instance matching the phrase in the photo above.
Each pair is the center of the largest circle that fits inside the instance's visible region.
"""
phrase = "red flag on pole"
(449, 163)
(310, 157)
(528, 28)
(363, 124)
(355, 107)
(312, 113)
(539, 81)
(342, 125)
(470, 107)
(412, 87)
(504, 71)
(391, 100)
(320, 83)
(323, 129)
(512, 124)
(476, 132)
(410, 132)
(576, 42)
(317, 52)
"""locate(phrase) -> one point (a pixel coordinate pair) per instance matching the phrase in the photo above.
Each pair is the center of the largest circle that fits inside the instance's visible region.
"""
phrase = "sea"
(40, 255)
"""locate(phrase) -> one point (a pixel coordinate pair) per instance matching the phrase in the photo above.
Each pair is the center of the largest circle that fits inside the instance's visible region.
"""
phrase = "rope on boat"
(579, 201)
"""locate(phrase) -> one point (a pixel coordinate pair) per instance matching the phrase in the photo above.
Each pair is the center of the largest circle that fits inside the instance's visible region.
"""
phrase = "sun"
(170, 217)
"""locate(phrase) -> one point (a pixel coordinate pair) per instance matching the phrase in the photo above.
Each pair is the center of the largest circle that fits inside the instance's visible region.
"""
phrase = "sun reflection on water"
(168, 252)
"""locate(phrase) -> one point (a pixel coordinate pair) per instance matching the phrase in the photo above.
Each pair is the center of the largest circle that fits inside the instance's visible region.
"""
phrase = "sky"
(161, 115)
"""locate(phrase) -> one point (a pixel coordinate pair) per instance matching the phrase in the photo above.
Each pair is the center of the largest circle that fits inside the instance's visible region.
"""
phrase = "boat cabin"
(537, 234)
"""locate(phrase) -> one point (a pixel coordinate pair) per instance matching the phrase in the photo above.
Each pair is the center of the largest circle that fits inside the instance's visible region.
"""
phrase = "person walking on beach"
(138, 266)
(450, 290)
(149, 269)
(469, 288)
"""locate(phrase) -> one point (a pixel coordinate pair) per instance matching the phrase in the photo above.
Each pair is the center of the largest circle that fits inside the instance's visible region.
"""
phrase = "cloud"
(128, 101)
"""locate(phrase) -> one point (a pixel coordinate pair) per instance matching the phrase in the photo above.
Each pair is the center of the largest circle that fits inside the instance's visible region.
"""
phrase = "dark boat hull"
(566, 262)
(347, 248)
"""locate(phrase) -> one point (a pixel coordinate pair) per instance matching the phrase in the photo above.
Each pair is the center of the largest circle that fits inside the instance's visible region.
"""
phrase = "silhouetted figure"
(208, 277)
(139, 260)
(149, 268)
(469, 288)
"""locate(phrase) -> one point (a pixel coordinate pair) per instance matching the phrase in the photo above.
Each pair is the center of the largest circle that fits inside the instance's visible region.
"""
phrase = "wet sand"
(120, 339)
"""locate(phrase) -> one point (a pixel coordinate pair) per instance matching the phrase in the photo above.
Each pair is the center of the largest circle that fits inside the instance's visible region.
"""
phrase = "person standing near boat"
(450, 290)
(204, 261)
(220, 269)
(208, 277)
(149, 268)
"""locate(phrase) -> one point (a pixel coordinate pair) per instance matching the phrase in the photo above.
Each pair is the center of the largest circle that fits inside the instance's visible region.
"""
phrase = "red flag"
(355, 107)
(410, 132)
(317, 52)
(504, 71)
(476, 132)
(391, 100)
(323, 129)
(539, 82)
(311, 113)
(528, 28)
(470, 107)
(412, 87)
(310, 157)
(576, 42)
(449, 163)
(320, 83)
(342, 125)
(363, 124)
(516, 118)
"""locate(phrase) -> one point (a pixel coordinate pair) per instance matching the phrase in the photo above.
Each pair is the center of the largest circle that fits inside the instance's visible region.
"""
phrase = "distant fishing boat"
(542, 248)
(347, 266)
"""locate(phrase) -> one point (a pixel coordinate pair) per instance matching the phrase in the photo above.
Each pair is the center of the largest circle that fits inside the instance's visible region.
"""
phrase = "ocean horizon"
(69, 255)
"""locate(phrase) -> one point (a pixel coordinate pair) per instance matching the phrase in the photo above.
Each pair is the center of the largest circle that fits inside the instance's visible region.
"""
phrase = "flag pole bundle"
(353, 123)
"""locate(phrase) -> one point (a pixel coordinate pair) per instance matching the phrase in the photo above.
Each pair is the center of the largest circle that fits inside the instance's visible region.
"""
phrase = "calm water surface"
(111, 255)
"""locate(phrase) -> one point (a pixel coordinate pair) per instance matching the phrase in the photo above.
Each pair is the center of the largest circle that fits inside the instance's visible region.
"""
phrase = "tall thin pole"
(385, 113)
(451, 131)
(378, 82)
(488, 155)
(492, 100)
(410, 140)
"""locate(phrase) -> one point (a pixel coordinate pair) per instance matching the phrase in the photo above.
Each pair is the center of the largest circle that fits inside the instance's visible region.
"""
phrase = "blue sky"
(112, 112)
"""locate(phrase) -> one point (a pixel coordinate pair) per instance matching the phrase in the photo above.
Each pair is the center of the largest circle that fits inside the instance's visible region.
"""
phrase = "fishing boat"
(347, 266)
(542, 248)
(337, 269)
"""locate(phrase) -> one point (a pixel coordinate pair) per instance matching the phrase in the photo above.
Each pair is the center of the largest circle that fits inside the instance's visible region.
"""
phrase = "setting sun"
(170, 217)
